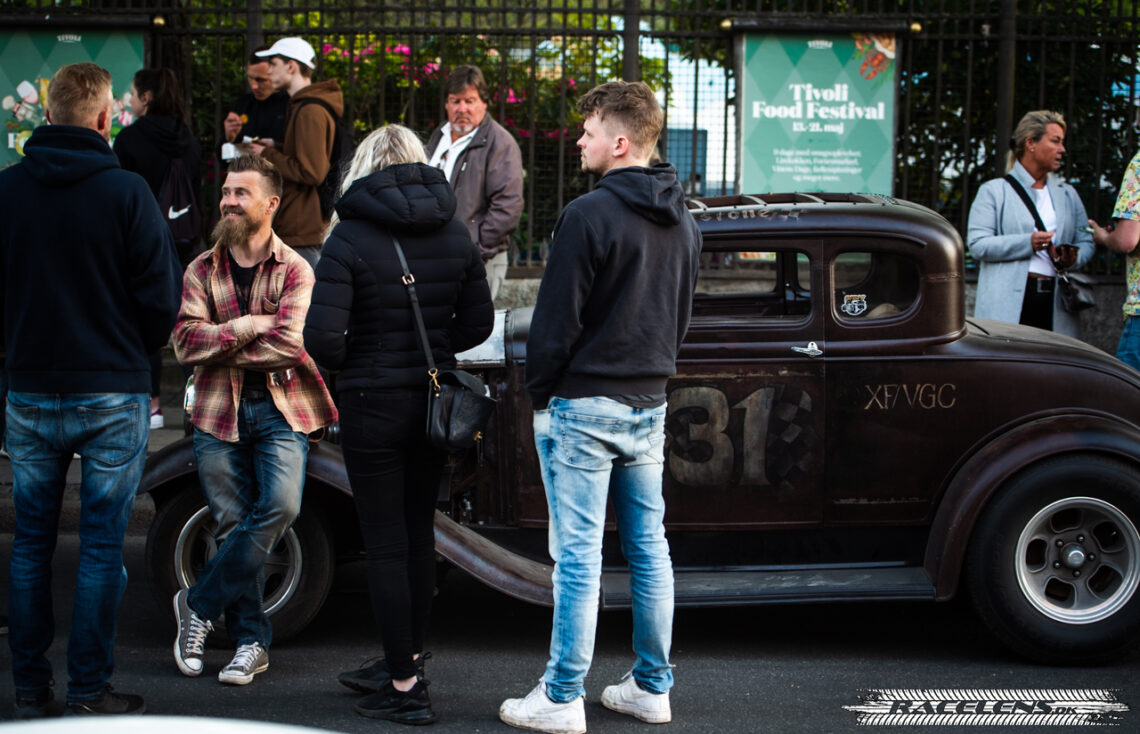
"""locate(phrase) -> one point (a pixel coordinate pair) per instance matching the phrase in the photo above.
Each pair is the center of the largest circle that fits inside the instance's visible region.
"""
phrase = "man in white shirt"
(484, 165)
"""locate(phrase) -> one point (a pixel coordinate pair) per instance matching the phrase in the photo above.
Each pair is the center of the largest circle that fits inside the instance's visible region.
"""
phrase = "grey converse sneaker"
(249, 660)
(629, 698)
(539, 713)
(190, 643)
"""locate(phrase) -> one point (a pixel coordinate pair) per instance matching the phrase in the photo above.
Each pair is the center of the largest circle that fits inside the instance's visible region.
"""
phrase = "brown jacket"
(303, 160)
(488, 183)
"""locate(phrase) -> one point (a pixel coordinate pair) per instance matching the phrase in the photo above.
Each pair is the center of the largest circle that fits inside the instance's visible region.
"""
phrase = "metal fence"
(967, 68)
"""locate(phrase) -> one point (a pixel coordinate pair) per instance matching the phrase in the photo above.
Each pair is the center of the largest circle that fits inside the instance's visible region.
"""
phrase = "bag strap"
(1028, 202)
(421, 332)
(1061, 272)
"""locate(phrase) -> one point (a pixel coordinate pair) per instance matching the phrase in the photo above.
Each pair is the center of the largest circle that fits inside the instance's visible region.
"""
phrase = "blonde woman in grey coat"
(1017, 264)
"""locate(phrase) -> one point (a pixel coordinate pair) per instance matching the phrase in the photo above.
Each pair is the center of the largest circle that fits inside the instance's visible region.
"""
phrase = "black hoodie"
(615, 300)
(91, 282)
(148, 146)
(360, 320)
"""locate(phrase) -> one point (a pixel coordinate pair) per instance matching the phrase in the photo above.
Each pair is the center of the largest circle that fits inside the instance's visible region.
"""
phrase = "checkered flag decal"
(792, 444)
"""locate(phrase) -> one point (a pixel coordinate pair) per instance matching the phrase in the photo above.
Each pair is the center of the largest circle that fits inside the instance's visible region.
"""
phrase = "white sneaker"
(249, 660)
(629, 698)
(539, 713)
(156, 420)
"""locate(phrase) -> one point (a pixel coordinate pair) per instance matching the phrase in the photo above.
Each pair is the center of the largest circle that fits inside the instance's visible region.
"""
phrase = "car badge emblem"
(854, 305)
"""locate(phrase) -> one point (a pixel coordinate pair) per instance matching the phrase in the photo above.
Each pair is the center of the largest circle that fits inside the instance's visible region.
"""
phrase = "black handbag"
(458, 404)
(1076, 288)
(1076, 291)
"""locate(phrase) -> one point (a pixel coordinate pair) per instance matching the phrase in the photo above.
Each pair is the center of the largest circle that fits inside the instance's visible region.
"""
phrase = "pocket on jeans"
(23, 420)
(114, 433)
(586, 440)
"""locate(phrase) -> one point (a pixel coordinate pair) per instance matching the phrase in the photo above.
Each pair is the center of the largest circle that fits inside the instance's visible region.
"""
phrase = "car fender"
(494, 565)
(991, 466)
(176, 461)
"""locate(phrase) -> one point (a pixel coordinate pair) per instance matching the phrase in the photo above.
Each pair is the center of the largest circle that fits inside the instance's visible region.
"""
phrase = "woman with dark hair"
(1017, 262)
(159, 135)
(360, 323)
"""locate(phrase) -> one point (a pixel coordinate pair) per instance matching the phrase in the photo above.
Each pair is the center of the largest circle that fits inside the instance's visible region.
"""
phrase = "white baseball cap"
(294, 48)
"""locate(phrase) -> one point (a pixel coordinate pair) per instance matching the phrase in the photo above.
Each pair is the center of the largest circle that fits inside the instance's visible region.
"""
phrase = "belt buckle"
(281, 377)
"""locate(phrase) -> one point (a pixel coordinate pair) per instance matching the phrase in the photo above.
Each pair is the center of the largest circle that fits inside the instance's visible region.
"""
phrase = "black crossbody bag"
(458, 406)
(1076, 288)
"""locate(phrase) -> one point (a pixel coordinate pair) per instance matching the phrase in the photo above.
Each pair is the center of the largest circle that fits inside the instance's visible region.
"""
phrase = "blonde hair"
(1031, 127)
(78, 93)
(383, 147)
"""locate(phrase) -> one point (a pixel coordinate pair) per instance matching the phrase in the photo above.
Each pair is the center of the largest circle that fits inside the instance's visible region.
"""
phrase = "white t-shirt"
(1040, 262)
(447, 152)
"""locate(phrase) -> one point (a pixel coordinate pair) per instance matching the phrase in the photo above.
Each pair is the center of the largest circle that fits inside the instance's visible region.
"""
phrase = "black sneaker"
(37, 706)
(410, 707)
(374, 675)
(109, 703)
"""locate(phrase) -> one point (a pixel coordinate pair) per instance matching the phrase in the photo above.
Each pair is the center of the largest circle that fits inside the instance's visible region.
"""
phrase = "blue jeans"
(253, 487)
(1128, 350)
(110, 431)
(591, 449)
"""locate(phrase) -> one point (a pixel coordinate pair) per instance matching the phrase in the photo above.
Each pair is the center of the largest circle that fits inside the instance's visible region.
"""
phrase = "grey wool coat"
(998, 235)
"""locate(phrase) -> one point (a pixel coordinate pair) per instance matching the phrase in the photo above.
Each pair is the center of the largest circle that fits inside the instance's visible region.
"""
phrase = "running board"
(742, 588)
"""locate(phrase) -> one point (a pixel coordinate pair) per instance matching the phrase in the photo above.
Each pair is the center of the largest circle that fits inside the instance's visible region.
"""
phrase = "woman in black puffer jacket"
(360, 325)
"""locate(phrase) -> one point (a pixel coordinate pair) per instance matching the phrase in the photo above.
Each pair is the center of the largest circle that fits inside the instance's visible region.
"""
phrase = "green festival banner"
(29, 58)
(817, 113)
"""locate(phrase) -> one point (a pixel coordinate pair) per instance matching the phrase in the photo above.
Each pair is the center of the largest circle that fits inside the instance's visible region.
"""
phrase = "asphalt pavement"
(763, 669)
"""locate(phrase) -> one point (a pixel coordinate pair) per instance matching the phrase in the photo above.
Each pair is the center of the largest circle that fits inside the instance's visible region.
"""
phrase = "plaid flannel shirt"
(214, 336)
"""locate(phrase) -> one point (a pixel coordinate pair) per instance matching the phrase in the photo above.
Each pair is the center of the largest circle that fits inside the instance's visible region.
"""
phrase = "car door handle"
(811, 350)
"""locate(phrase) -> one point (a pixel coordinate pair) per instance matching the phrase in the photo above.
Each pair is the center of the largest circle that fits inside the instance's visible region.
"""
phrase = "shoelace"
(196, 639)
(245, 656)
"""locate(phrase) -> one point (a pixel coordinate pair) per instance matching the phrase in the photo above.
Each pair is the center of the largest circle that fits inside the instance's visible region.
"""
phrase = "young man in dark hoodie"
(612, 310)
(91, 284)
(303, 158)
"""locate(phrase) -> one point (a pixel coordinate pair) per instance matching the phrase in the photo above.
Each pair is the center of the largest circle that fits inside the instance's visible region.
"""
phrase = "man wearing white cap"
(304, 156)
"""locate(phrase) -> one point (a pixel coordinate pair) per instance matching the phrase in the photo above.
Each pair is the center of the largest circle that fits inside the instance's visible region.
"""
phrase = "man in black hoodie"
(91, 284)
(612, 310)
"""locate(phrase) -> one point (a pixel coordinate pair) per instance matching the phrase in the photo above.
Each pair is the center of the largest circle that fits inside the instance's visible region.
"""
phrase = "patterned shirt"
(214, 336)
(1128, 207)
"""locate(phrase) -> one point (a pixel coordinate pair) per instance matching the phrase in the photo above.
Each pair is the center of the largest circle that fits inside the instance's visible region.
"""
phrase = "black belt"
(251, 394)
(1040, 285)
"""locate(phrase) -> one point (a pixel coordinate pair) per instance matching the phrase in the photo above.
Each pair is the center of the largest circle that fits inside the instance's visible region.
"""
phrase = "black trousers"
(1037, 305)
(394, 473)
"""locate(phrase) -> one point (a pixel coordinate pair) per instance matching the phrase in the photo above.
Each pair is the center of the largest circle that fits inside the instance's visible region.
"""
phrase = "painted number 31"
(717, 468)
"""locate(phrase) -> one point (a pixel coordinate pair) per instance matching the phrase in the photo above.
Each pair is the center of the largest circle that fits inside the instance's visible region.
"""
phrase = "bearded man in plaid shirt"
(257, 397)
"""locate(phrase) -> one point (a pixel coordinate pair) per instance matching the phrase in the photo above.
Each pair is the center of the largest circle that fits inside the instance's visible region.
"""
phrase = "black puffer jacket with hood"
(360, 322)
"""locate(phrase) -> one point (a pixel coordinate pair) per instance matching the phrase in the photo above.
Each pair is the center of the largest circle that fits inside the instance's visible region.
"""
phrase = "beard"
(591, 169)
(230, 232)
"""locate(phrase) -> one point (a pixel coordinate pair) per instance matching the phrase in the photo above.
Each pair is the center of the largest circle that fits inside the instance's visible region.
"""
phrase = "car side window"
(874, 285)
(765, 284)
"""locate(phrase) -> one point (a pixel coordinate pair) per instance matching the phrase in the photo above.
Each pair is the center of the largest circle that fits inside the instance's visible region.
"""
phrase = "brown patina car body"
(837, 430)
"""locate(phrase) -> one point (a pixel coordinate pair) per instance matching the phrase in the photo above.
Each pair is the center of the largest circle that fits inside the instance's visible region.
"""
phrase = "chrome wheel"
(195, 546)
(1078, 560)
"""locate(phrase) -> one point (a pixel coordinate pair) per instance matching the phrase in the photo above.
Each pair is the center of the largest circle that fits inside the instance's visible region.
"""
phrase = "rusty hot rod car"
(837, 430)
